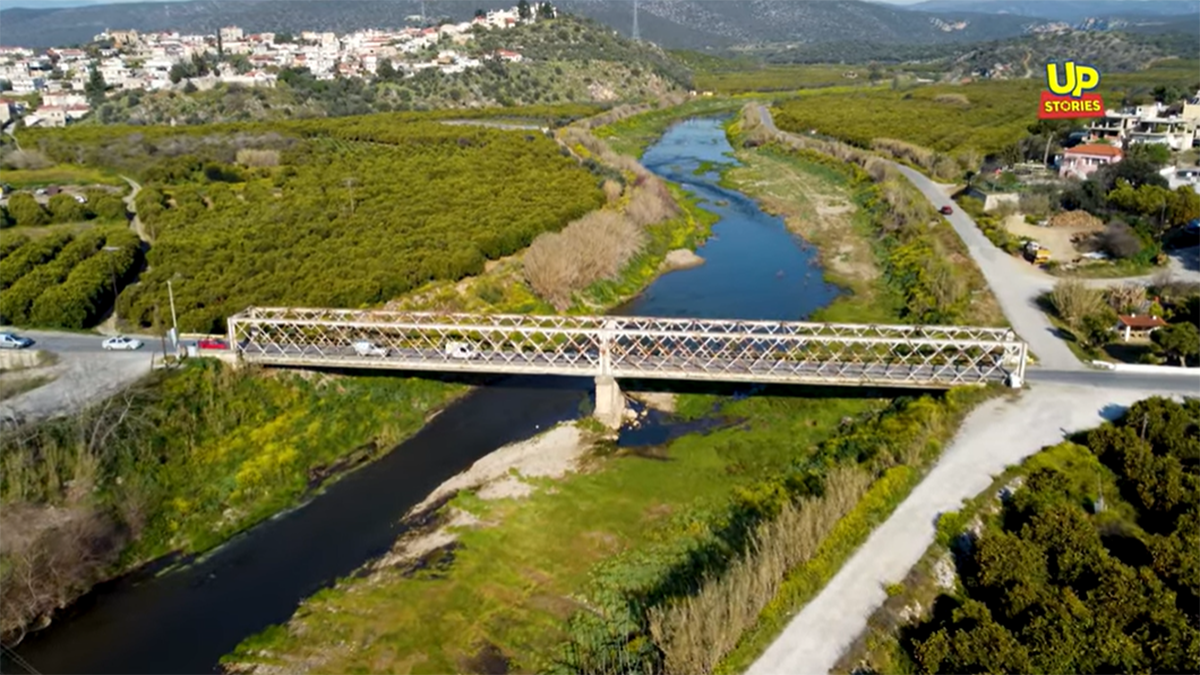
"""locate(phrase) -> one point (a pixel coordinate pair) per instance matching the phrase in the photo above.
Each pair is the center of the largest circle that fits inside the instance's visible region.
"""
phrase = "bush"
(1120, 241)
(110, 207)
(16, 301)
(26, 210)
(1073, 300)
(592, 248)
(31, 254)
(86, 294)
(31, 160)
(64, 208)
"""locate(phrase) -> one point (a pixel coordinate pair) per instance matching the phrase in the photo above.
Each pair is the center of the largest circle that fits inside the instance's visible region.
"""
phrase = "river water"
(184, 621)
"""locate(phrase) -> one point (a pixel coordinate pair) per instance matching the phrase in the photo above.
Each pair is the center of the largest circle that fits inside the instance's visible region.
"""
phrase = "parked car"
(364, 348)
(459, 350)
(122, 343)
(13, 341)
(946, 210)
(213, 344)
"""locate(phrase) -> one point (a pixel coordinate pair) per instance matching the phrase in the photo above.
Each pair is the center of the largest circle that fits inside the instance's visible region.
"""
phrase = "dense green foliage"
(59, 281)
(993, 115)
(346, 212)
(88, 291)
(180, 464)
(1056, 583)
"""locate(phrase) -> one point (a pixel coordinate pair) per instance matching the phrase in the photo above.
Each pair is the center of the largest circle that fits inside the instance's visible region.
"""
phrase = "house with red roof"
(1083, 160)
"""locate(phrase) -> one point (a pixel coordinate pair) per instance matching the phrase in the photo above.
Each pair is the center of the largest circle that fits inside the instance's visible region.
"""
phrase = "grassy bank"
(179, 463)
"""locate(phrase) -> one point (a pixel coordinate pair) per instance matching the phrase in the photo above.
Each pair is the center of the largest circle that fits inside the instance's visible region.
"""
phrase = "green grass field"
(63, 174)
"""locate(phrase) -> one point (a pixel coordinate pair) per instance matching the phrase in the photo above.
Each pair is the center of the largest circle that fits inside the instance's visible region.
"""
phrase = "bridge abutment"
(610, 402)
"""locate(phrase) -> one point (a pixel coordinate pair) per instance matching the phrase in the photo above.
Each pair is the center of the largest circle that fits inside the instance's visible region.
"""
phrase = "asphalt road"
(84, 373)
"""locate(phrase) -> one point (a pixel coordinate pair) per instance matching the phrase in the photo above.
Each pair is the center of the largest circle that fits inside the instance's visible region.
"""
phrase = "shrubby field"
(65, 280)
(343, 213)
(1087, 563)
(976, 118)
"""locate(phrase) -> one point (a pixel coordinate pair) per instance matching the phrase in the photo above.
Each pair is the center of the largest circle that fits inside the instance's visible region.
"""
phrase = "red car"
(945, 210)
(213, 344)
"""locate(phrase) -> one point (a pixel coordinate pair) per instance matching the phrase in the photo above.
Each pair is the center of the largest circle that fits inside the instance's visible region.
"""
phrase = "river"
(184, 621)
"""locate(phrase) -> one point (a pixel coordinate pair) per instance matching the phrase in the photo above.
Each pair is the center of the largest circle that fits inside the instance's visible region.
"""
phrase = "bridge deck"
(634, 347)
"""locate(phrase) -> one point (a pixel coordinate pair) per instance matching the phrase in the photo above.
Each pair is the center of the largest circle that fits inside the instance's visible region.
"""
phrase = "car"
(122, 343)
(14, 341)
(365, 348)
(459, 350)
(946, 210)
(213, 344)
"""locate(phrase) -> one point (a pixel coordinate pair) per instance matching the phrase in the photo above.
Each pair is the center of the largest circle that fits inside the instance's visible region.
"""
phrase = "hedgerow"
(86, 294)
(31, 254)
(17, 300)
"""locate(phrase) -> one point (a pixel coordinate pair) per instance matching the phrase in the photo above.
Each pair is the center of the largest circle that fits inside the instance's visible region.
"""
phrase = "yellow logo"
(1075, 79)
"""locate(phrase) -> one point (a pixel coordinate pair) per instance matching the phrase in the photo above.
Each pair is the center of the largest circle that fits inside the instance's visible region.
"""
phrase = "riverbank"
(588, 573)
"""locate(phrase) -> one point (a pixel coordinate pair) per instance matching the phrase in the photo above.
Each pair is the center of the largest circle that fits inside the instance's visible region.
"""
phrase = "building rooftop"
(1095, 149)
(1141, 322)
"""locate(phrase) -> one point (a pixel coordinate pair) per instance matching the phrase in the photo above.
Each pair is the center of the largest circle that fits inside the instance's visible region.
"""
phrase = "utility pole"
(637, 34)
(174, 322)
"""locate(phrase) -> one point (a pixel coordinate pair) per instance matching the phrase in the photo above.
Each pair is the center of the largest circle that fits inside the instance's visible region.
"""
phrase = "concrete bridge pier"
(610, 402)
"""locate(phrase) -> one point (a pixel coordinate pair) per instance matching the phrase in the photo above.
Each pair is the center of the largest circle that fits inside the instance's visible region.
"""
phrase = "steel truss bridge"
(607, 347)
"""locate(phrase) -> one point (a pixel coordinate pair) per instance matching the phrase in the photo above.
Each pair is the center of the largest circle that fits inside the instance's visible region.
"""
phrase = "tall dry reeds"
(903, 150)
(696, 632)
(651, 202)
(1073, 300)
(595, 247)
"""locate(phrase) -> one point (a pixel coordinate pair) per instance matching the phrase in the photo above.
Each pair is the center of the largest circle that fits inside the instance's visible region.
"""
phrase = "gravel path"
(999, 433)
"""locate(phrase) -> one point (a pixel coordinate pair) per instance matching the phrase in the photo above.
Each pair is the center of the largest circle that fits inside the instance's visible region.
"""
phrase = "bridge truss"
(634, 347)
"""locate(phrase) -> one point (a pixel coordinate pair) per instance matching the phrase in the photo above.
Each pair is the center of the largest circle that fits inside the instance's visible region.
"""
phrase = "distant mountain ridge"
(671, 23)
(1070, 11)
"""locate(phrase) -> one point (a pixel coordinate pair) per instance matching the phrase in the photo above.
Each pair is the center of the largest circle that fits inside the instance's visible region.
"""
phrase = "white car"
(13, 341)
(121, 342)
(364, 348)
(459, 350)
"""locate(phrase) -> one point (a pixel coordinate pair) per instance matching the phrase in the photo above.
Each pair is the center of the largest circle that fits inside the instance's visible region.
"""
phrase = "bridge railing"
(631, 346)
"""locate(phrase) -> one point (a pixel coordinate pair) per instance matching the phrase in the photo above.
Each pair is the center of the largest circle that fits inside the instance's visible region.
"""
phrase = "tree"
(26, 210)
(523, 10)
(284, 38)
(385, 70)
(65, 209)
(1184, 206)
(1179, 342)
(545, 11)
(95, 88)
(874, 73)
(1153, 153)
(480, 13)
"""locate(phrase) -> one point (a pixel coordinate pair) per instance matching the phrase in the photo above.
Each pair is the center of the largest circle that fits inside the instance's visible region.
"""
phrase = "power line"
(16, 658)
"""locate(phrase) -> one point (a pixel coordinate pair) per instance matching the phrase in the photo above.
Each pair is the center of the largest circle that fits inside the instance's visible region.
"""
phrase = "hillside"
(565, 60)
(1108, 51)
(671, 23)
(1071, 11)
